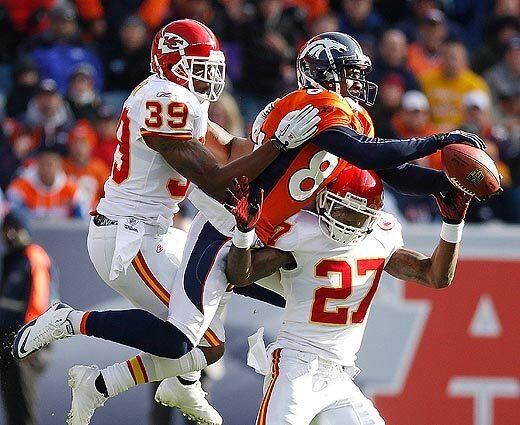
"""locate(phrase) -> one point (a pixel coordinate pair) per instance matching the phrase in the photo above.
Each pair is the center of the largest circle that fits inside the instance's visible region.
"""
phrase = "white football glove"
(256, 134)
(296, 128)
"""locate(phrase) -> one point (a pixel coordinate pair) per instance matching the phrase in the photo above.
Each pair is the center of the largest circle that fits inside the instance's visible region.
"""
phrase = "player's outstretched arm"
(196, 163)
(412, 179)
(244, 265)
(438, 270)
(374, 153)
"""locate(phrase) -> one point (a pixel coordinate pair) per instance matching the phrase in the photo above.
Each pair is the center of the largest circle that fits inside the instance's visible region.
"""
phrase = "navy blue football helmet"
(335, 61)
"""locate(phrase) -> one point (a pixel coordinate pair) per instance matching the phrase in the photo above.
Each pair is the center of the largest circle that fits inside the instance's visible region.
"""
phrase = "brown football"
(470, 169)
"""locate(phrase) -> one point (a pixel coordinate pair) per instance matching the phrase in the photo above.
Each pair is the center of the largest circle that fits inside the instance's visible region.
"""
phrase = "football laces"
(459, 186)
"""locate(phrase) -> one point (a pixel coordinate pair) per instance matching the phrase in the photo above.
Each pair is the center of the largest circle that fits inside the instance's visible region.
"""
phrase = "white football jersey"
(329, 293)
(142, 184)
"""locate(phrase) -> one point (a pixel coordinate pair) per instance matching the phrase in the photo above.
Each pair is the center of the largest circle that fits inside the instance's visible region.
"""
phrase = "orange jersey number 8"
(304, 182)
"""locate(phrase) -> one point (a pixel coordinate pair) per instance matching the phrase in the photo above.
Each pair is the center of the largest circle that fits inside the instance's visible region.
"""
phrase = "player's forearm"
(198, 164)
(238, 268)
(240, 146)
(436, 271)
(373, 153)
(444, 263)
(411, 179)
(246, 266)
(247, 165)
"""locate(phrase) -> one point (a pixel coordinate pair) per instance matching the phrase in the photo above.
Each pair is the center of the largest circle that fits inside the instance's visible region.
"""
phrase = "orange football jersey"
(294, 179)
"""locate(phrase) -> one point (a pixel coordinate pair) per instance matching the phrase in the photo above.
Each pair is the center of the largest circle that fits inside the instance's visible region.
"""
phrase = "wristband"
(243, 240)
(452, 233)
(278, 143)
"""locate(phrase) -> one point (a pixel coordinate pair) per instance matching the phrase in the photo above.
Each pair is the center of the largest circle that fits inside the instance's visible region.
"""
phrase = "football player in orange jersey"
(331, 71)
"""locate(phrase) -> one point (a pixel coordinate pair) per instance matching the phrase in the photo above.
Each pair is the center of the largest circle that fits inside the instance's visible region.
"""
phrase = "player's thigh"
(288, 394)
(147, 281)
(354, 409)
(201, 280)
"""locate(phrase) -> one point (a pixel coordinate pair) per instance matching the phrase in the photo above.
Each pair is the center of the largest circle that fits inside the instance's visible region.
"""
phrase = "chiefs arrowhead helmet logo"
(170, 43)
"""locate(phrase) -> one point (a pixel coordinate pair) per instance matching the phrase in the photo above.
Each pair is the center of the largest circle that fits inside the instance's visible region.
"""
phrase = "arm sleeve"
(373, 153)
(411, 179)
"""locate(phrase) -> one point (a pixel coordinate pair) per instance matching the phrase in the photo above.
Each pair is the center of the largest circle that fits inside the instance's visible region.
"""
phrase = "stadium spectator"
(44, 191)
(60, 50)
(16, 144)
(19, 20)
(418, 9)
(414, 121)
(313, 9)
(447, 86)
(106, 127)
(323, 23)
(425, 55)
(509, 117)
(210, 13)
(500, 31)
(506, 8)
(504, 77)
(25, 86)
(128, 63)
(28, 286)
(359, 20)
(107, 16)
(268, 41)
(477, 113)
(392, 59)
(88, 173)
(81, 94)
(391, 91)
(49, 116)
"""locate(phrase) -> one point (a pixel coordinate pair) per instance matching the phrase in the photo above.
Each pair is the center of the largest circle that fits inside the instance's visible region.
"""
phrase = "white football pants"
(148, 281)
(302, 389)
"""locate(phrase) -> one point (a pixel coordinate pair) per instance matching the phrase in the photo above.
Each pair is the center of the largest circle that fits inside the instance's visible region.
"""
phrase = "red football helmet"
(350, 205)
(187, 52)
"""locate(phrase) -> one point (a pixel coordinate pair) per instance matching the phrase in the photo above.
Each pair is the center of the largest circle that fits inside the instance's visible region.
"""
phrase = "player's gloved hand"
(296, 128)
(453, 205)
(243, 205)
(459, 136)
(256, 134)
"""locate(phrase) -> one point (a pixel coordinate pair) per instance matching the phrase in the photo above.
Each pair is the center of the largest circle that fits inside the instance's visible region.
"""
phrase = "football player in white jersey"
(162, 136)
(330, 265)
(186, 53)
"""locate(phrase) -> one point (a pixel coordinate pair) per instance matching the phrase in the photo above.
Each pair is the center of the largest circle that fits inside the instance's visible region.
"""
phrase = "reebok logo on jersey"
(386, 224)
(163, 94)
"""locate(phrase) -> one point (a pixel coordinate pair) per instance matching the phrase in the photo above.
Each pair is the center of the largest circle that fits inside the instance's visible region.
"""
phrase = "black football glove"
(461, 137)
(453, 205)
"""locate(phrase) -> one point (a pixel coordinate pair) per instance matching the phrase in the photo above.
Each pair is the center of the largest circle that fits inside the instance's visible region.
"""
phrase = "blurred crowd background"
(66, 67)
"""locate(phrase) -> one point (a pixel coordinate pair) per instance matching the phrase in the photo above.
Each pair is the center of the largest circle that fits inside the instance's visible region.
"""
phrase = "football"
(470, 169)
